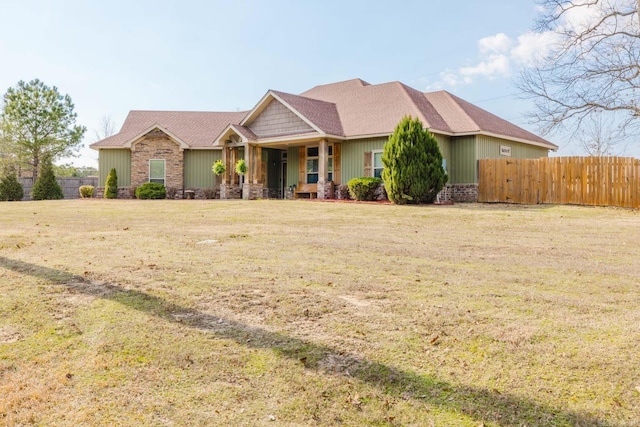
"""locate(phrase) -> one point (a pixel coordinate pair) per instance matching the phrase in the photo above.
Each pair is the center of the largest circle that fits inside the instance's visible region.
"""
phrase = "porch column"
(253, 185)
(225, 162)
(323, 166)
(257, 166)
(231, 167)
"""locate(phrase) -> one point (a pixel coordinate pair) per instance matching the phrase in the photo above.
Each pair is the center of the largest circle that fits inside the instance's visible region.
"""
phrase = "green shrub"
(413, 171)
(86, 191)
(111, 186)
(46, 187)
(10, 188)
(364, 188)
(151, 190)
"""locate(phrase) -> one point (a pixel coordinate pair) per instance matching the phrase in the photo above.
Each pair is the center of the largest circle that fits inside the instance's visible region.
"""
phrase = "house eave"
(548, 146)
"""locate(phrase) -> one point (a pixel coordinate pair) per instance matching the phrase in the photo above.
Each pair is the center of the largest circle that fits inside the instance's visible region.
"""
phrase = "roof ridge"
(185, 111)
(455, 100)
(424, 119)
(302, 96)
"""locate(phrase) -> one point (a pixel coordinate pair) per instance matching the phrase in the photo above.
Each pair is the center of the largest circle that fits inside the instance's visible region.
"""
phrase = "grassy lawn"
(296, 313)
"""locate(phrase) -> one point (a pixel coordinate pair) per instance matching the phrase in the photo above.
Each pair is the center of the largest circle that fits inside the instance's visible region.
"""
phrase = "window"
(377, 163)
(312, 165)
(156, 171)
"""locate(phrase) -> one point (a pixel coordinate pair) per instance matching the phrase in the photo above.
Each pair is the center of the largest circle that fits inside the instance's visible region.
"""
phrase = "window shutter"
(368, 171)
(337, 161)
(302, 165)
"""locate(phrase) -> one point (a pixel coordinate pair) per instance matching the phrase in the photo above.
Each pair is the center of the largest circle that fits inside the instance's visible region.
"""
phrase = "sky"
(116, 56)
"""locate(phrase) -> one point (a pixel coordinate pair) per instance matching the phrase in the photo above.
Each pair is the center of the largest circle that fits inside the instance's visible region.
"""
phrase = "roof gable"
(276, 119)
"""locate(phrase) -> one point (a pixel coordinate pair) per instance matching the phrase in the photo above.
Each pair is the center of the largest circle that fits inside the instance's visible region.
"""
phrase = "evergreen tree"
(413, 171)
(46, 187)
(37, 120)
(111, 186)
(10, 187)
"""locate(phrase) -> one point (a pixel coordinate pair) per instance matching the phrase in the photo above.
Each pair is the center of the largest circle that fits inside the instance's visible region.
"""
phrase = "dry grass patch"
(117, 312)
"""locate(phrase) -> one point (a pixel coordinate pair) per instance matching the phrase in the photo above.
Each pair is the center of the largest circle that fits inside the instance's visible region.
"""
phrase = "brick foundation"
(459, 193)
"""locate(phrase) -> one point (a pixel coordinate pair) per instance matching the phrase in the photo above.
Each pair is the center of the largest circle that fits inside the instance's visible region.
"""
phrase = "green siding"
(444, 143)
(292, 166)
(353, 156)
(118, 159)
(197, 168)
(489, 147)
(464, 164)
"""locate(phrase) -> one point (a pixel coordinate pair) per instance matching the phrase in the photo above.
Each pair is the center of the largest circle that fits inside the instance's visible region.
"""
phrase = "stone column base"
(252, 191)
(230, 191)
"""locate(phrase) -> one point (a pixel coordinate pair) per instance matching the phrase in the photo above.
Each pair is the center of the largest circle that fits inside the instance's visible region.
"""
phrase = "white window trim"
(329, 156)
(164, 177)
(373, 162)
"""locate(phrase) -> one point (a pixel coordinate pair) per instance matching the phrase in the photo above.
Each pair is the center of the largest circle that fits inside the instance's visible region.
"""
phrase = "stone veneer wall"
(157, 146)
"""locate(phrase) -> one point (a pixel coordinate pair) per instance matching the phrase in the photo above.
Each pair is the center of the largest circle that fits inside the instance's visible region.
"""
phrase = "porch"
(269, 176)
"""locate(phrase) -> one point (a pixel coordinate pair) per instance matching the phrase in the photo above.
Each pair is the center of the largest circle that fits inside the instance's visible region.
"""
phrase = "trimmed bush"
(151, 190)
(413, 171)
(86, 191)
(10, 188)
(46, 187)
(364, 188)
(111, 186)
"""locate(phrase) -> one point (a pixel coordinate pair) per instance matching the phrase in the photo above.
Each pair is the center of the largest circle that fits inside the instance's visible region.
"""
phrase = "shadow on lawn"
(477, 403)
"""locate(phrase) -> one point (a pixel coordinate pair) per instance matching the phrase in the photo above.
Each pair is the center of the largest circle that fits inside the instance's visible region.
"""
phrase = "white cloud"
(532, 47)
(499, 43)
(495, 65)
(498, 57)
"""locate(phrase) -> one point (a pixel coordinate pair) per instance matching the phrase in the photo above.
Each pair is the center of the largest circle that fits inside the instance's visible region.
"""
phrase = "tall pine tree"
(413, 171)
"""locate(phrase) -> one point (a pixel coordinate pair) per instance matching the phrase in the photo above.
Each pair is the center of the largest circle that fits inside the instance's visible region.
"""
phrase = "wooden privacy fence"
(598, 181)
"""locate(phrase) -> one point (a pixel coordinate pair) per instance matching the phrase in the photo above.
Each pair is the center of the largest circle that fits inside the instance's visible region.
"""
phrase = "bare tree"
(592, 67)
(599, 136)
(106, 128)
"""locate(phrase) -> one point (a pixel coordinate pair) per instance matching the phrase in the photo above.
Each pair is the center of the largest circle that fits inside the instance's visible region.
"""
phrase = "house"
(309, 143)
